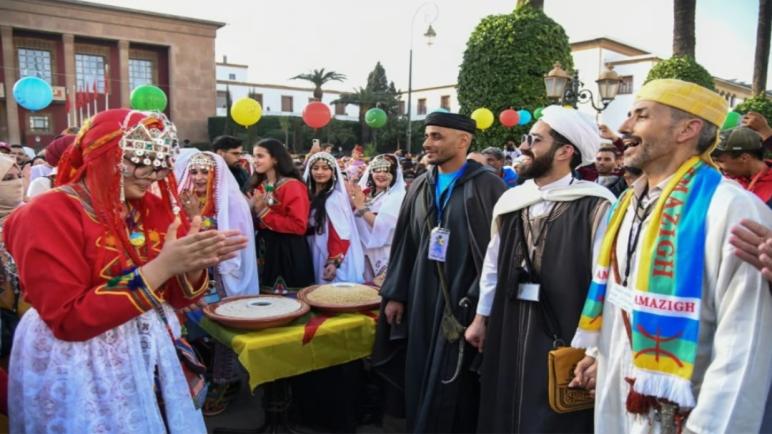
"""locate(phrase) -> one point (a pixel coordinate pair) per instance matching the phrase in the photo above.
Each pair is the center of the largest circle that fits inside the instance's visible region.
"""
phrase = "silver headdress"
(380, 162)
(202, 161)
(150, 146)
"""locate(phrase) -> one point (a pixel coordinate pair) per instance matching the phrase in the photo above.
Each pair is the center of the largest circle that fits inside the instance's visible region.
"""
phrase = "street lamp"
(565, 89)
(430, 17)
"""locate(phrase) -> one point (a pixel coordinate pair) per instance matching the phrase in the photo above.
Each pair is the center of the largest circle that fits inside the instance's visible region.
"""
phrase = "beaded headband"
(329, 159)
(150, 146)
(202, 161)
(380, 162)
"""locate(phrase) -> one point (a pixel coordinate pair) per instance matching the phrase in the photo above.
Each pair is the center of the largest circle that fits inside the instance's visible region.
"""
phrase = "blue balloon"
(441, 110)
(33, 93)
(525, 117)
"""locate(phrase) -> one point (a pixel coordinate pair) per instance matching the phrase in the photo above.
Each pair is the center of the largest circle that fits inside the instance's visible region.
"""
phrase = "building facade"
(590, 57)
(93, 56)
(276, 100)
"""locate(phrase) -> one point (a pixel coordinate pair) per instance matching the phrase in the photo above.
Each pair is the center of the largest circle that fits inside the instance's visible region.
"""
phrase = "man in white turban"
(535, 276)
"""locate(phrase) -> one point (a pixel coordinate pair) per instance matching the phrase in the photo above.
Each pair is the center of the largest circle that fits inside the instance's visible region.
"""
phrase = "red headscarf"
(95, 160)
(56, 148)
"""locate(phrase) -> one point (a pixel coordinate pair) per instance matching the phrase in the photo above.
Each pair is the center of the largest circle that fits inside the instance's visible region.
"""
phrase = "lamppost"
(565, 89)
(429, 17)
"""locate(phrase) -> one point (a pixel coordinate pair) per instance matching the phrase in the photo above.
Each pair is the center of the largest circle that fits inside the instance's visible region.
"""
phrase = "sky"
(282, 38)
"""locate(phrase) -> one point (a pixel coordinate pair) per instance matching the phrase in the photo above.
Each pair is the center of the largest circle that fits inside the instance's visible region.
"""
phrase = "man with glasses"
(536, 272)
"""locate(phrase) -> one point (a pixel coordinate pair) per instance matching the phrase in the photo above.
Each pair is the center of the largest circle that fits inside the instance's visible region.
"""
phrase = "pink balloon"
(509, 118)
(316, 114)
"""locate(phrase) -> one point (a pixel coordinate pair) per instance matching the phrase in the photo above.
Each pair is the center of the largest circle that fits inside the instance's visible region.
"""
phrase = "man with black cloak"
(535, 277)
(431, 287)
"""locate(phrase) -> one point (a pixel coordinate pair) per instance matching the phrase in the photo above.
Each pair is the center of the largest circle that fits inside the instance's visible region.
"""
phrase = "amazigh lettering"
(665, 304)
(663, 261)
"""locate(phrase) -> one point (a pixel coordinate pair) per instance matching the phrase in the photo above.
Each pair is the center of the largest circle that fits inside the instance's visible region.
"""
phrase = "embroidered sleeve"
(46, 237)
(290, 215)
(180, 292)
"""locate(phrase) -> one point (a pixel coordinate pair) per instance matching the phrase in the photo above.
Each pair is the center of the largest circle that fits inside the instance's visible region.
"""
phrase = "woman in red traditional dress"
(104, 260)
(280, 204)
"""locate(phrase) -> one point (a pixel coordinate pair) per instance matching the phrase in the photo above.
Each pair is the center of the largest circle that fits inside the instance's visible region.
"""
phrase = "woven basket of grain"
(256, 312)
(341, 297)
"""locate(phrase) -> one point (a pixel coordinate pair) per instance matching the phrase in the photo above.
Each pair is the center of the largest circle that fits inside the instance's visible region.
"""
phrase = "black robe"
(412, 279)
(513, 395)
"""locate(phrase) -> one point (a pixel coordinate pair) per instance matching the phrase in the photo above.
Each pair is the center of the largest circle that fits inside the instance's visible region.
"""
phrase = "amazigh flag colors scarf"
(668, 286)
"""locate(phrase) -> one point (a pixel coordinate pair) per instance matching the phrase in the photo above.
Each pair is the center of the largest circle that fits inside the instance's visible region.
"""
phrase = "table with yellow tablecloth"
(311, 342)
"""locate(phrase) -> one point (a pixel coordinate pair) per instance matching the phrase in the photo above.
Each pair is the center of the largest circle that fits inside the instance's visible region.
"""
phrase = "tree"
(683, 27)
(319, 77)
(761, 58)
(504, 64)
(536, 4)
(683, 68)
(378, 92)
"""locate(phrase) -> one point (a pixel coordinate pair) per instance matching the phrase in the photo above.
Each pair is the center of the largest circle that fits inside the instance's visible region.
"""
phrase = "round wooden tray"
(337, 308)
(257, 323)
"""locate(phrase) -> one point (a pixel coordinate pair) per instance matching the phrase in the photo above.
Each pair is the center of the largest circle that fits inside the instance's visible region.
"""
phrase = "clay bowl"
(257, 323)
(337, 308)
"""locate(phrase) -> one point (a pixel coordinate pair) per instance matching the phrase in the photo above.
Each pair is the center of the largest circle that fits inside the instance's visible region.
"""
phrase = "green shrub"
(504, 65)
(760, 104)
(683, 68)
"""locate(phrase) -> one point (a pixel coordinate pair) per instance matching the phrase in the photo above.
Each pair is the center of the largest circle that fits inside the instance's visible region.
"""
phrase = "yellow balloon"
(483, 117)
(246, 111)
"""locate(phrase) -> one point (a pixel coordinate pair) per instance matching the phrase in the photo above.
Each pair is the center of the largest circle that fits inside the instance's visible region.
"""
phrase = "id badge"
(528, 291)
(438, 244)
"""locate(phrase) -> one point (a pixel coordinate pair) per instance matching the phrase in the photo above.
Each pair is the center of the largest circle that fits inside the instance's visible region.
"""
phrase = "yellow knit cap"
(689, 97)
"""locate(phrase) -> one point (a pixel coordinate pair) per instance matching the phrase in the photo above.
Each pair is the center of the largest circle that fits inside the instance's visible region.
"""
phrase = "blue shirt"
(445, 179)
(509, 176)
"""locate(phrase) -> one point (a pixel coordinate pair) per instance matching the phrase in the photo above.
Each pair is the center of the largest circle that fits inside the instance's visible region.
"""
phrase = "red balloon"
(509, 118)
(316, 114)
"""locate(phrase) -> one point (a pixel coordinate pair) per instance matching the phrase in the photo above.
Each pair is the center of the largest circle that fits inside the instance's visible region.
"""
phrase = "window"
(625, 85)
(222, 98)
(257, 97)
(39, 124)
(231, 76)
(36, 63)
(90, 69)
(421, 106)
(340, 109)
(445, 102)
(402, 107)
(286, 103)
(140, 72)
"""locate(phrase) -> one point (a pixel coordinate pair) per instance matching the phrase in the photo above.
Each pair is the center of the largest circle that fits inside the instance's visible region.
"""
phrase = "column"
(11, 72)
(123, 72)
(68, 40)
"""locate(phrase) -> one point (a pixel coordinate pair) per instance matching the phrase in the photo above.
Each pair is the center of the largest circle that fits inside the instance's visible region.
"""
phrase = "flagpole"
(94, 95)
(79, 98)
(107, 86)
(85, 100)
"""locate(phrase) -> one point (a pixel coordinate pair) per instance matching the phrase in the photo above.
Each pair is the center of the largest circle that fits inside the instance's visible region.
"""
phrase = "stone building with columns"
(93, 56)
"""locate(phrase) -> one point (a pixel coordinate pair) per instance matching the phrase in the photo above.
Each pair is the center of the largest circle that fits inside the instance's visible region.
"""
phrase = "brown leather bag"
(561, 364)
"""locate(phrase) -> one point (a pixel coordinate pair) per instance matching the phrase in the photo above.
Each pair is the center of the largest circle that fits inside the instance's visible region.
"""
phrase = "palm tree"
(319, 77)
(683, 27)
(761, 58)
(365, 99)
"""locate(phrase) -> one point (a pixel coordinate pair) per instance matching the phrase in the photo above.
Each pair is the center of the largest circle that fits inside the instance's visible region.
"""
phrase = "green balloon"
(732, 120)
(148, 98)
(375, 118)
(537, 113)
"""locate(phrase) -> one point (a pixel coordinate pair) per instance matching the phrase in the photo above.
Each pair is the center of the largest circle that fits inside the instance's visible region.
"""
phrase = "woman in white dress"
(377, 201)
(335, 246)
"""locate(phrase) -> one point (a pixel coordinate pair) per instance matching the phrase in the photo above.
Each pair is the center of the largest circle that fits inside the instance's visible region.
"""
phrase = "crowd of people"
(649, 250)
